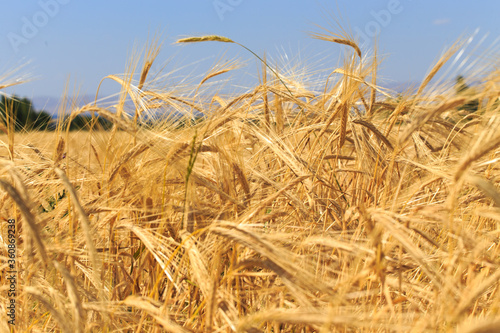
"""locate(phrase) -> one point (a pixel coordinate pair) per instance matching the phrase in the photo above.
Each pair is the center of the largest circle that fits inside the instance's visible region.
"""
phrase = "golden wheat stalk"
(341, 41)
(89, 237)
(208, 38)
(137, 150)
(152, 51)
(344, 114)
(60, 317)
(427, 115)
(373, 94)
(216, 38)
(79, 314)
(28, 216)
(375, 131)
(476, 154)
(439, 64)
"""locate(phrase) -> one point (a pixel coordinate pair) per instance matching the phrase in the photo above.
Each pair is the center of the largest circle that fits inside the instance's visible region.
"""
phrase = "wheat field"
(282, 209)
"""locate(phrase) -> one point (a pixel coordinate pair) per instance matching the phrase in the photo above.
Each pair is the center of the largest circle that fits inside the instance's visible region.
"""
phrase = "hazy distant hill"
(51, 104)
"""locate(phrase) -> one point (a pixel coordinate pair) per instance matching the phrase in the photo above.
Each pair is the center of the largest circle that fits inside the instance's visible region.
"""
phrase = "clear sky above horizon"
(87, 40)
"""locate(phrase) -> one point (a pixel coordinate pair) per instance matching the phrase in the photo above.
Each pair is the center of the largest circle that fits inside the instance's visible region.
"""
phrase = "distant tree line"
(23, 113)
(28, 119)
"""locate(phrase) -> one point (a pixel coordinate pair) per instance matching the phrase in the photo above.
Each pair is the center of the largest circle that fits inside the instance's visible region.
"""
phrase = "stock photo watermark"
(222, 7)
(381, 19)
(11, 272)
(32, 24)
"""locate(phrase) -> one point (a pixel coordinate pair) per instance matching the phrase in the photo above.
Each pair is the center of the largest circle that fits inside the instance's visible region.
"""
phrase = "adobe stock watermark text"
(32, 24)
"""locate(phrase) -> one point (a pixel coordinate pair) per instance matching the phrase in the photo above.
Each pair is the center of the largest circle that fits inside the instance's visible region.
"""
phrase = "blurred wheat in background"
(345, 209)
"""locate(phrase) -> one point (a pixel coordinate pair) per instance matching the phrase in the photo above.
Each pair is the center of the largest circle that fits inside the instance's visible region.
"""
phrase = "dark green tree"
(463, 89)
(85, 122)
(26, 117)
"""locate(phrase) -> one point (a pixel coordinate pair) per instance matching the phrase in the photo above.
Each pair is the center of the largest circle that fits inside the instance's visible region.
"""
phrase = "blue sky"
(87, 40)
